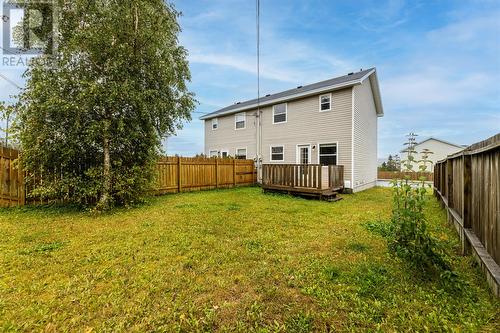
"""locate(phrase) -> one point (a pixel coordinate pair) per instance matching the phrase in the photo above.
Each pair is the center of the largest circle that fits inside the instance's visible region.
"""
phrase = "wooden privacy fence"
(177, 174)
(11, 179)
(468, 185)
(174, 174)
(429, 176)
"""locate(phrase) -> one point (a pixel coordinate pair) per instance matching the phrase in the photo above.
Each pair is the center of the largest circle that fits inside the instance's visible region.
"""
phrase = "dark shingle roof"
(338, 81)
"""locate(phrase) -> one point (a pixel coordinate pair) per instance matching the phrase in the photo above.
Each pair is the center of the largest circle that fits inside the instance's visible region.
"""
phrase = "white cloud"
(433, 87)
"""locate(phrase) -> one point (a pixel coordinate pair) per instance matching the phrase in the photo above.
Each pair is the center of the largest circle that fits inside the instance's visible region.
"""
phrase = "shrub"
(409, 237)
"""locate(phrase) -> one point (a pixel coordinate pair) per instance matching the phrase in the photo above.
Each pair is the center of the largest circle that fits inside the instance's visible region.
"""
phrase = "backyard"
(228, 260)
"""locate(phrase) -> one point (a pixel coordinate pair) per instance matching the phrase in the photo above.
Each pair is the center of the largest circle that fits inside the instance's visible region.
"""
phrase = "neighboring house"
(329, 122)
(439, 148)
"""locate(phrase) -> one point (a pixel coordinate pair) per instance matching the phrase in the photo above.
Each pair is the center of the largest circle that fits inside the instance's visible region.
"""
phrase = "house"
(440, 150)
(329, 122)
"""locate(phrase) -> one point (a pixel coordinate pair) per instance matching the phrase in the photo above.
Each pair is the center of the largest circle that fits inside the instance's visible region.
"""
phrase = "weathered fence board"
(174, 174)
(11, 179)
(468, 183)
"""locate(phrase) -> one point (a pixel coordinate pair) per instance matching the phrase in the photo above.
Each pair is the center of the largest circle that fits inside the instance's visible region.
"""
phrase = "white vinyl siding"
(280, 113)
(240, 120)
(325, 102)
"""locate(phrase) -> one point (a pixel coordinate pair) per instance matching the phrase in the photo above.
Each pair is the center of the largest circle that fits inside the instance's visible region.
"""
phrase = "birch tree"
(97, 108)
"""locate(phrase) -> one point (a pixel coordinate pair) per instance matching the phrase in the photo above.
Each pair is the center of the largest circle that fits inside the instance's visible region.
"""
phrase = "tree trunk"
(106, 192)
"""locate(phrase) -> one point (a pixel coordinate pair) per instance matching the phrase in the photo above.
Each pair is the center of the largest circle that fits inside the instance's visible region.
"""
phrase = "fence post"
(449, 187)
(234, 172)
(216, 172)
(467, 199)
(179, 164)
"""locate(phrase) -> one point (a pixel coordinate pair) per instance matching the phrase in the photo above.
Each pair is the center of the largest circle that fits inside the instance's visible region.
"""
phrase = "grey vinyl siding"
(305, 125)
(365, 137)
(227, 138)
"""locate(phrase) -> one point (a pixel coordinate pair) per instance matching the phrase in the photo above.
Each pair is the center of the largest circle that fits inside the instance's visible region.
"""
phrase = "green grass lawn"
(228, 260)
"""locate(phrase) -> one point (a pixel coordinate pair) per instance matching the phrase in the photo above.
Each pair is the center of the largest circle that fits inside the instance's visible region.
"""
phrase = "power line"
(10, 81)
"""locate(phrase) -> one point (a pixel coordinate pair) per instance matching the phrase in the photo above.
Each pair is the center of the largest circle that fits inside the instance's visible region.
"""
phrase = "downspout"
(352, 138)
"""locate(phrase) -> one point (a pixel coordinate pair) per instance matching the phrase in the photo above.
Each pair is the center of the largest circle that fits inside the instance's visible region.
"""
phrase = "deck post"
(320, 177)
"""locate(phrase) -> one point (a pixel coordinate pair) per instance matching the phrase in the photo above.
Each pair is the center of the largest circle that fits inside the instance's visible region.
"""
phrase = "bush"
(408, 236)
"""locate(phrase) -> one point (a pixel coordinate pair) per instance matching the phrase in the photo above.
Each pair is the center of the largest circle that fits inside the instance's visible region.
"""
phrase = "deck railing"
(313, 176)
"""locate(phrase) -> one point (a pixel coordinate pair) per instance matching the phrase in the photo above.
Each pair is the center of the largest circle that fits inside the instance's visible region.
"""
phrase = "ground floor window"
(241, 153)
(224, 154)
(328, 154)
(277, 153)
(213, 153)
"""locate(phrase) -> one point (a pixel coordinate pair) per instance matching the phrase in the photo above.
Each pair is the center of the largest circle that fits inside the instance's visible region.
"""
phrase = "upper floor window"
(240, 120)
(215, 124)
(328, 154)
(279, 113)
(325, 102)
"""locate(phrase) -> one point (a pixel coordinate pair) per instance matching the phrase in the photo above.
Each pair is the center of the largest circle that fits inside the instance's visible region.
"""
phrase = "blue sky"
(438, 62)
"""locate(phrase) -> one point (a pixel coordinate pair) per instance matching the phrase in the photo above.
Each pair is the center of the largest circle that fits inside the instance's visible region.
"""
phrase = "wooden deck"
(308, 180)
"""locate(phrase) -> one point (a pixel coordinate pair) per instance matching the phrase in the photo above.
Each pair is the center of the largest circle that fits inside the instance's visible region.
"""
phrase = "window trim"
(236, 152)
(328, 143)
(323, 95)
(215, 121)
(210, 151)
(297, 153)
(286, 114)
(224, 151)
(244, 114)
(271, 153)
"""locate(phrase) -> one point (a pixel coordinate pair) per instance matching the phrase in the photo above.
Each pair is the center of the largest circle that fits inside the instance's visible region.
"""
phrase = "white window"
(240, 120)
(277, 153)
(214, 153)
(325, 102)
(215, 124)
(241, 153)
(224, 154)
(279, 113)
(328, 154)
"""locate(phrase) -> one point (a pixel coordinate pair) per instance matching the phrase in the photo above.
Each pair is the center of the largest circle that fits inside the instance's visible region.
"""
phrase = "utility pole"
(258, 120)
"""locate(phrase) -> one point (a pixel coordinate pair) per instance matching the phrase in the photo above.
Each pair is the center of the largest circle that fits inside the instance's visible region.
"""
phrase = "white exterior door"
(304, 154)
